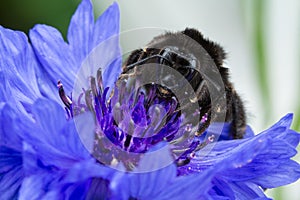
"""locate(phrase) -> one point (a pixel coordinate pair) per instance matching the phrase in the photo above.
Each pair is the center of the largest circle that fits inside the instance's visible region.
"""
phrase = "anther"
(65, 99)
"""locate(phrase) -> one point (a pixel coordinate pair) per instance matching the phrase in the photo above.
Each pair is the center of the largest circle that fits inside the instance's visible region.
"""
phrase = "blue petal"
(62, 61)
(18, 66)
(47, 89)
(155, 171)
(50, 117)
(190, 187)
(113, 71)
(279, 129)
(119, 186)
(17, 58)
(55, 139)
(221, 189)
(99, 189)
(42, 181)
(263, 160)
(85, 127)
(75, 191)
(91, 169)
(106, 53)
(107, 25)
(9, 128)
(282, 131)
(249, 132)
(292, 138)
(80, 31)
(21, 69)
(247, 190)
(54, 54)
(11, 171)
(162, 183)
(271, 167)
(149, 183)
(14, 92)
(283, 173)
(36, 186)
(54, 183)
(106, 56)
(55, 158)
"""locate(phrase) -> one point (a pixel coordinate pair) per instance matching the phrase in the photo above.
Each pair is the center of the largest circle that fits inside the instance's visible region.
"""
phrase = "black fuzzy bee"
(174, 50)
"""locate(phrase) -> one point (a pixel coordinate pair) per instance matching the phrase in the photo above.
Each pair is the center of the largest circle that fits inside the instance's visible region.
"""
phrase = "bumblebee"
(174, 50)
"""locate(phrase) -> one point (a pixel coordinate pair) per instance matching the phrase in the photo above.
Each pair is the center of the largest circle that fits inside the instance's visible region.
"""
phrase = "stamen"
(65, 99)
(100, 81)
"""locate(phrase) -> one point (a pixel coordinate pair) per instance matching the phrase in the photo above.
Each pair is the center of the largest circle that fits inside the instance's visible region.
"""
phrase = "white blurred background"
(234, 25)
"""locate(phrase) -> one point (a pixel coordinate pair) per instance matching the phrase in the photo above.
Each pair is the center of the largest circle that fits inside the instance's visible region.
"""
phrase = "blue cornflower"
(106, 147)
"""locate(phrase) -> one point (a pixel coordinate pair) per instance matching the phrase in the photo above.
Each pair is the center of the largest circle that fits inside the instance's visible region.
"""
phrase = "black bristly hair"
(161, 47)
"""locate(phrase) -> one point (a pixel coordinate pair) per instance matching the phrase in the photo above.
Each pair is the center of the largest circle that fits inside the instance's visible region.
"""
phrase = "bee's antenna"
(131, 66)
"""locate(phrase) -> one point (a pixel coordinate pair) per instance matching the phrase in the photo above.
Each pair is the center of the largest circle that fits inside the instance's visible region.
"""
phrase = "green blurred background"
(23, 15)
(260, 36)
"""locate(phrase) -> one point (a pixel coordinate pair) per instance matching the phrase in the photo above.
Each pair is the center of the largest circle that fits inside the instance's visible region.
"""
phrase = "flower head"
(115, 140)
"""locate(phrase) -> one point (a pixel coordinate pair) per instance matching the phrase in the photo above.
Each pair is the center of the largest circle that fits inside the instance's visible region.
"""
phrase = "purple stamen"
(65, 99)
(135, 121)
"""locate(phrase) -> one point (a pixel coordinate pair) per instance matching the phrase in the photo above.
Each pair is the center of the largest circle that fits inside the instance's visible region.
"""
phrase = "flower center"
(129, 121)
